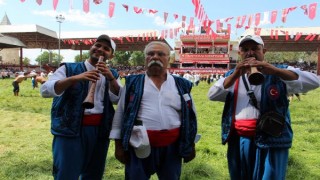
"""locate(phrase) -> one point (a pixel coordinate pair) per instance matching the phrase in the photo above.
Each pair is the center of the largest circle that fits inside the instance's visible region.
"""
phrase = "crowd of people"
(154, 125)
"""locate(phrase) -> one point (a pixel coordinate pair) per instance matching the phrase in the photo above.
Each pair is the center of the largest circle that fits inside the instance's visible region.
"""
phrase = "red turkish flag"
(228, 19)
(312, 37)
(175, 16)
(97, 1)
(86, 6)
(126, 7)
(257, 19)
(305, 9)
(243, 20)
(55, 3)
(153, 11)
(137, 10)
(39, 2)
(183, 21)
(171, 33)
(312, 10)
(219, 26)
(22, 0)
(277, 37)
(257, 31)
(229, 28)
(191, 22)
(271, 34)
(111, 8)
(162, 34)
(274, 16)
(165, 16)
(238, 22)
(285, 12)
(298, 36)
(249, 22)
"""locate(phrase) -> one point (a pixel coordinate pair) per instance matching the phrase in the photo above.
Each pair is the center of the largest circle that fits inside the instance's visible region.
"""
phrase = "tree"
(26, 61)
(121, 57)
(85, 56)
(45, 57)
(137, 58)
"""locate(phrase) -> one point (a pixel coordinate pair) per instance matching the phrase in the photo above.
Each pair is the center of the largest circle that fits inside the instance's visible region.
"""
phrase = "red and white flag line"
(244, 21)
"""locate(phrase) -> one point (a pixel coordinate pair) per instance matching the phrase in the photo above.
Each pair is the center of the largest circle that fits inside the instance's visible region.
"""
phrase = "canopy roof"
(35, 36)
(10, 42)
(281, 44)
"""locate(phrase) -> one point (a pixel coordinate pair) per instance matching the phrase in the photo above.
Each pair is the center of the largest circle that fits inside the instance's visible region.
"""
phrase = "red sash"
(92, 120)
(161, 138)
(246, 127)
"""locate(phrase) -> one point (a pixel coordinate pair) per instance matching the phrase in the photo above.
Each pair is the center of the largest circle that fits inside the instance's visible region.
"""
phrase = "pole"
(60, 18)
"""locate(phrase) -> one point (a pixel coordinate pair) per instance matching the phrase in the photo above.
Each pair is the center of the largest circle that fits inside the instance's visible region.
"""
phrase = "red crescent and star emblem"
(273, 92)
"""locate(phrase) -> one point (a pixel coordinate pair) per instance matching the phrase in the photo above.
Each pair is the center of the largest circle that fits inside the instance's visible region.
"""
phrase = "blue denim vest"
(133, 96)
(278, 103)
(67, 110)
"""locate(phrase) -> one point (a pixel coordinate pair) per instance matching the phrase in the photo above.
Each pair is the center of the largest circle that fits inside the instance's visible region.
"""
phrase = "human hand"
(120, 154)
(104, 70)
(92, 75)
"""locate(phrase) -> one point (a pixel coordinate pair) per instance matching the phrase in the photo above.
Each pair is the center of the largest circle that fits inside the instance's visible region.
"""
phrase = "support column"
(21, 57)
(318, 65)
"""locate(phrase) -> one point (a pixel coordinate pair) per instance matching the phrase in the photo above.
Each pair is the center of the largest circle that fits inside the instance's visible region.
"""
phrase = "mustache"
(153, 62)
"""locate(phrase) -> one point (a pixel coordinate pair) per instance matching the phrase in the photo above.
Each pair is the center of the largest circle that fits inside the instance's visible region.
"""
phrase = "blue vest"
(133, 96)
(67, 110)
(269, 102)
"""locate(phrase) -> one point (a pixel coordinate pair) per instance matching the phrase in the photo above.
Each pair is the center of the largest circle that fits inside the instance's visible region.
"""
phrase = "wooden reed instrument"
(88, 103)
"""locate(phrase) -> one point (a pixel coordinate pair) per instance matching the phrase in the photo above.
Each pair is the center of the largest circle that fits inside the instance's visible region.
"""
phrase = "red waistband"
(246, 127)
(161, 138)
(92, 120)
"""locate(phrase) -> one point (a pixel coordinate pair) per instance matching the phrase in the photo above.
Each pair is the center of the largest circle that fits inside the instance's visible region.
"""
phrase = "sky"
(97, 19)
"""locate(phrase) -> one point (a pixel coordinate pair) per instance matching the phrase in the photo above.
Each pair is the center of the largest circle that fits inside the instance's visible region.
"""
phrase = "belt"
(92, 120)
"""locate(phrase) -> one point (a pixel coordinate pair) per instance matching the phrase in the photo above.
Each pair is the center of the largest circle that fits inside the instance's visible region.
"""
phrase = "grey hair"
(157, 43)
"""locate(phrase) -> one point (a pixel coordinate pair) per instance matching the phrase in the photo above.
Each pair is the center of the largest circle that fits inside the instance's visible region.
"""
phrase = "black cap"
(108, 40)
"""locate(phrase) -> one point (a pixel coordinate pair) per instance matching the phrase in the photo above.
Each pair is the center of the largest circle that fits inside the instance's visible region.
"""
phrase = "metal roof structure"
(281, 44)
(35, 36)
(10, 42)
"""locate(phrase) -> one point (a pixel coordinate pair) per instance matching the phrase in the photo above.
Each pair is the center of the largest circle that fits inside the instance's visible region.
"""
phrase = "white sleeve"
(115, 132)
(47, 89)
(217, 92)
(307, 81)
(114, 98)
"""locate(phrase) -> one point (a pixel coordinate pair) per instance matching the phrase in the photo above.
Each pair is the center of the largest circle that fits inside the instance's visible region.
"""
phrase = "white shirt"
(47, 89)
(244, 110)
(159, 109)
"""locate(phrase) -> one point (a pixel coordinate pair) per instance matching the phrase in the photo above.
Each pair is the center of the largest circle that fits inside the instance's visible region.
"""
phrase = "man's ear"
(111, 56)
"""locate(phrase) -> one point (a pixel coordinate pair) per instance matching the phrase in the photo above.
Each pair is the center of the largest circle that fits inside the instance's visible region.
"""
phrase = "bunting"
(126, 7)
(274, 16)
(137, 10)
(111, 9)
(97, 1)
(55, 3)
(152, 11)
(39, 2)
(86, 6)
(312, 10)
(165, 16)
(257, 19)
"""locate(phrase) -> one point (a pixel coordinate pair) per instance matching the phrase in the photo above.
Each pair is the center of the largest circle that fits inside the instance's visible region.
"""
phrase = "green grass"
(25, 138)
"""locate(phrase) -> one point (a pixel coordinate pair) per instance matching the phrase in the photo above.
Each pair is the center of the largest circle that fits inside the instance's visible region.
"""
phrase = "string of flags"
(242, 21)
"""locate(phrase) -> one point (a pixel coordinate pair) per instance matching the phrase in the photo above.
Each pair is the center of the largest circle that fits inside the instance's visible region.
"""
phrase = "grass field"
(25, 138)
